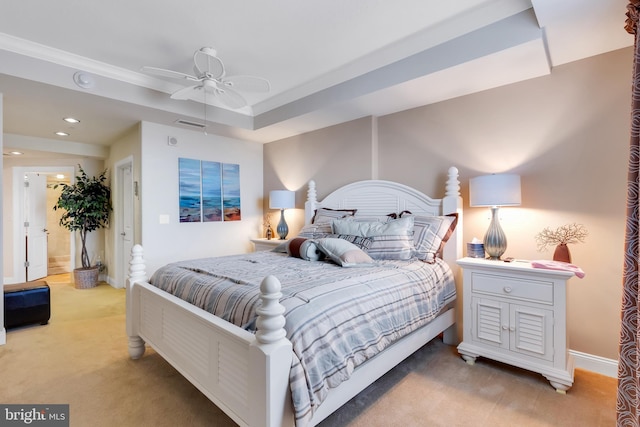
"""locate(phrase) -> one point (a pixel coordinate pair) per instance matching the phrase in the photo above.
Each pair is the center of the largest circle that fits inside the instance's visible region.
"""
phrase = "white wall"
(3, 336)
(175, 241)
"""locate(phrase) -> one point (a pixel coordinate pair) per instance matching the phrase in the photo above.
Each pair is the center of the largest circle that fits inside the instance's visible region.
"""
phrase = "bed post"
(136, 273)
(311, 204)
(271, 357)
(452, 203)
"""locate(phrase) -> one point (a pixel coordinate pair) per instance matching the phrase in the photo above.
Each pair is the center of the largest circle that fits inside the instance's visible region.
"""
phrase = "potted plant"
(560, 238)
(87, 204)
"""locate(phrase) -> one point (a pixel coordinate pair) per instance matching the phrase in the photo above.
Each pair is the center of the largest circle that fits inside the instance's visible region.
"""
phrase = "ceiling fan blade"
(247, 83)
(207, 62)
(186, 93)
(230, 98)
(168, 73)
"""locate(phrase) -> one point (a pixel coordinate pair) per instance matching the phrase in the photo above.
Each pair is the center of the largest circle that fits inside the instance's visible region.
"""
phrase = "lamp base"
(495, 241)
(283, 228)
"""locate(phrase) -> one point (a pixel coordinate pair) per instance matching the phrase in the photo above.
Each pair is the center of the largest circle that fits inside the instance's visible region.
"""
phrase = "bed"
(246, 369)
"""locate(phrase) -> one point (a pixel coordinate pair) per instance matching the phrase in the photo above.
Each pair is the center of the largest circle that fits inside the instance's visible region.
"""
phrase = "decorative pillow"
(323, 215)
(390, 240)
(306, 249)
(431, 233)
(344, 253)
(397, 227)
(397, 247)
(315, 231)
(375, 218)
(362, 242)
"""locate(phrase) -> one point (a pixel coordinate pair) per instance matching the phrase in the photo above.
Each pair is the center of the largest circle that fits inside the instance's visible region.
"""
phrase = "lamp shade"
(282, 199)
(495, 190)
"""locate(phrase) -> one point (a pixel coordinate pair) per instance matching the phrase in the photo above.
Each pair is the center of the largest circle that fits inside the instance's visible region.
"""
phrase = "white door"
(126, 229)
(35, 225)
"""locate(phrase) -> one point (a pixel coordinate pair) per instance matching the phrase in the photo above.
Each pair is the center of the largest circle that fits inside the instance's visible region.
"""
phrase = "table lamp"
(494, 191)
(282, 199)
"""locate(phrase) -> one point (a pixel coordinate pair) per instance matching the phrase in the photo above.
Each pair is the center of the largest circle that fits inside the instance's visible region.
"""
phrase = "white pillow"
(344, 253)
(395, 227)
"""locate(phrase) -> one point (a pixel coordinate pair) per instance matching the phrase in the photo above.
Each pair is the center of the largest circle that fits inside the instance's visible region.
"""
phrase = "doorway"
(59, 238)
(35, 225)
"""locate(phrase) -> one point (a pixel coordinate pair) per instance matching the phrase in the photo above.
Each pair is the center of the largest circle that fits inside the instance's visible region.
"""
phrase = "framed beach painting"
(190, 194)
(209, 191)
(231, 192)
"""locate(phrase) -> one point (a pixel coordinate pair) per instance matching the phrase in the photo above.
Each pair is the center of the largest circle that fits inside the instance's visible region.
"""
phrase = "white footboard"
(245, 375)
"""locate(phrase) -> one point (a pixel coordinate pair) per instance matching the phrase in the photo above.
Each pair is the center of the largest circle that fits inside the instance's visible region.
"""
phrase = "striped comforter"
(336, 318)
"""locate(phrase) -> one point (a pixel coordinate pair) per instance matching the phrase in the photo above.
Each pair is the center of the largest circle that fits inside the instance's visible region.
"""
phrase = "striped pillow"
(326, 215)
(396, 247)
(315, 231)
(431, 233)
(390, 240)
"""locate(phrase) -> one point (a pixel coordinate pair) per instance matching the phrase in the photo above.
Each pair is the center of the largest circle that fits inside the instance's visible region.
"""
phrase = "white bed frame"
(247, 375)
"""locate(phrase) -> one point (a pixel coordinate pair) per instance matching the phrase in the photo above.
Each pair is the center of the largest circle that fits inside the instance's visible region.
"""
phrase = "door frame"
(19, 215)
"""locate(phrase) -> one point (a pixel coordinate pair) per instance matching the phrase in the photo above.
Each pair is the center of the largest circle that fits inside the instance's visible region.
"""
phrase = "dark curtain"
(628, 408)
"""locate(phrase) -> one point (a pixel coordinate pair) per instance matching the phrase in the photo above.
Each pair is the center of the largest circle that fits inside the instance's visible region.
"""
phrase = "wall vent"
(188, 123)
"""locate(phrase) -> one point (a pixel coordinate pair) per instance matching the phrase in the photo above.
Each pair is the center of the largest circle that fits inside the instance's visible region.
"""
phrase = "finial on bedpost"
(453, 185)
(136, 265)
(311, 203)
(311, 192)
(270, 323)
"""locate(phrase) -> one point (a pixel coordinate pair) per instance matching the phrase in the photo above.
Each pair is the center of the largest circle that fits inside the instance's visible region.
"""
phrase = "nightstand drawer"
(512, 287)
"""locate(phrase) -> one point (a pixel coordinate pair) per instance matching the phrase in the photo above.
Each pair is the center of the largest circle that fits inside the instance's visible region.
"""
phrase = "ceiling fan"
(210, 78)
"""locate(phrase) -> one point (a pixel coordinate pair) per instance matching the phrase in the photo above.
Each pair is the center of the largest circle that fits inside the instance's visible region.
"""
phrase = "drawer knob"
(507, 289)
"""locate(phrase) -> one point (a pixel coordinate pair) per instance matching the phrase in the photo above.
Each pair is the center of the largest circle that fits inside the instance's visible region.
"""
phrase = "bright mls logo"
(34, 415)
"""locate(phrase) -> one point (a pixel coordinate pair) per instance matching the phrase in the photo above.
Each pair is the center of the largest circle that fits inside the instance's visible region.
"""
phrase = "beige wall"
(128, 146)
(338, 154)
(566, 134)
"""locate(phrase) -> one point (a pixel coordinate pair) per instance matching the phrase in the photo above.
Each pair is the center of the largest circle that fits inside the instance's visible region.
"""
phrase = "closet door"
(35, 225)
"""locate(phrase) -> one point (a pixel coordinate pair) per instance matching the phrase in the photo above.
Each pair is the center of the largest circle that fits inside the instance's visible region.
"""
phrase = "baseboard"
(112, 282)
(597, 364)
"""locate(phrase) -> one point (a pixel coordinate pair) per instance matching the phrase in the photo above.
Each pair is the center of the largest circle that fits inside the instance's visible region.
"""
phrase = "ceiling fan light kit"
(210, 79)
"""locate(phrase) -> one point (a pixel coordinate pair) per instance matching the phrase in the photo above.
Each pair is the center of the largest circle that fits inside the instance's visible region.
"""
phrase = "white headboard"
(377, 198)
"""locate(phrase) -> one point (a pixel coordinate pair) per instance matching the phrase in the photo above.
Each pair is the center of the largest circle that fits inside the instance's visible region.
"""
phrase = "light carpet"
(80, 358)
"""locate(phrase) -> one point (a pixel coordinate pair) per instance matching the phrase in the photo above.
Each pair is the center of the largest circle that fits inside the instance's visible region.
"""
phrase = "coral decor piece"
(560, 238)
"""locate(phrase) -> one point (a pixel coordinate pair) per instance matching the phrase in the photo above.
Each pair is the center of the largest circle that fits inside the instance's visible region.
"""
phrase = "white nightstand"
(516, 314)
(267, 245)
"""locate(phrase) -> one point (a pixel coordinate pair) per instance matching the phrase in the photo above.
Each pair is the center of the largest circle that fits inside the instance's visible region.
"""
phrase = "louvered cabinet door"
(531, 331)
(491, 322)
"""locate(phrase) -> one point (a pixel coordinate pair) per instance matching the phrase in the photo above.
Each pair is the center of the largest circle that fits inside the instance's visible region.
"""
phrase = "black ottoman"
(26, 303)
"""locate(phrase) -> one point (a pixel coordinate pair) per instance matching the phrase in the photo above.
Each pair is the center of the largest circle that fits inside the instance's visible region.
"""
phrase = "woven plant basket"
(86, 278)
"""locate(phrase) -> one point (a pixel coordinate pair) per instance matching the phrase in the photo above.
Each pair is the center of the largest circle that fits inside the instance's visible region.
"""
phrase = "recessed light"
(62, 134)
(59, 176)
(71, 120)
(83, 80)
(16, 153)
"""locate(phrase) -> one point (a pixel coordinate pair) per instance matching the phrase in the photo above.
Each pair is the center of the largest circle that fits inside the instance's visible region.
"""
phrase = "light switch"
(164, 219)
